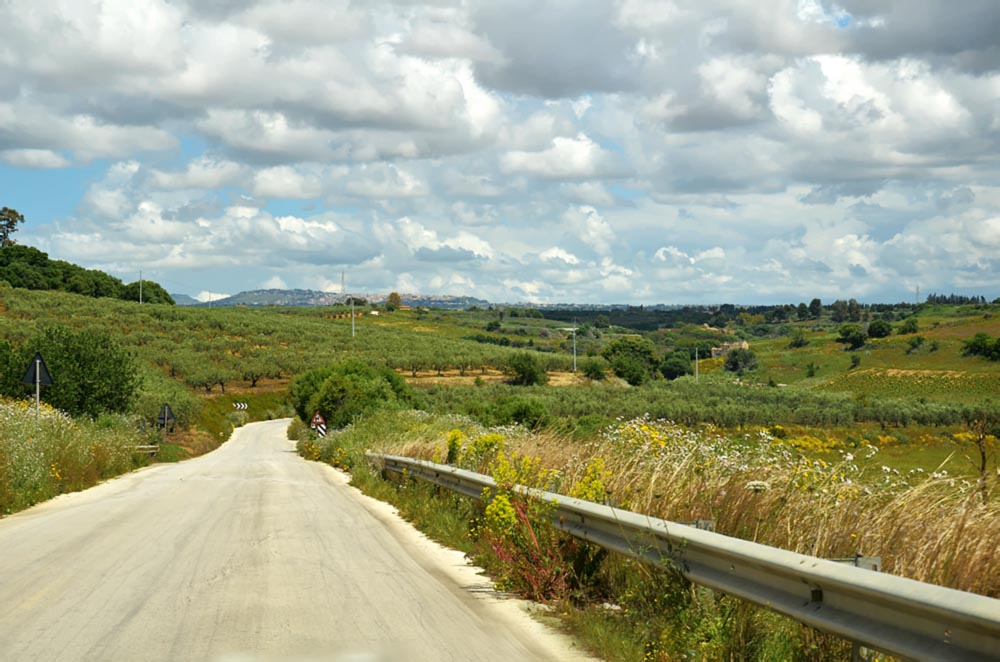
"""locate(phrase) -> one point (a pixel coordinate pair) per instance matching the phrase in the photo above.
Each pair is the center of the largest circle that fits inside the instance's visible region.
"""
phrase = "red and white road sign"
(317, 419)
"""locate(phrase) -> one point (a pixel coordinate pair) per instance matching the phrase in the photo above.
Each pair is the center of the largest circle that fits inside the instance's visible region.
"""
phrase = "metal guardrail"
(900, 616)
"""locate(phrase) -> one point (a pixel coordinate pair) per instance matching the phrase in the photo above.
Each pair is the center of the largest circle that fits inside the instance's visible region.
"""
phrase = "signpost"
(37, 374)
(318, 424)
(166, 417)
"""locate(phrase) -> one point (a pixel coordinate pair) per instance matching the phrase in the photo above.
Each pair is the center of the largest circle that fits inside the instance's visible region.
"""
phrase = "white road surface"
(246, 554)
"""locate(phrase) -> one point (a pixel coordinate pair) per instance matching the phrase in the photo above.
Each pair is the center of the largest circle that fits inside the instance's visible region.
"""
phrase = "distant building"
(726, 347)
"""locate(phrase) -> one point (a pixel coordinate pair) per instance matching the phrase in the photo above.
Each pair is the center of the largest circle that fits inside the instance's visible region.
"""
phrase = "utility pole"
(574, 345)
(343, 290)
(140, 286)
(695, 365)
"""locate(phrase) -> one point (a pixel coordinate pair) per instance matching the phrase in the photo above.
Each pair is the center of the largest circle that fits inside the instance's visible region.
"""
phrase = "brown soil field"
(455, 378)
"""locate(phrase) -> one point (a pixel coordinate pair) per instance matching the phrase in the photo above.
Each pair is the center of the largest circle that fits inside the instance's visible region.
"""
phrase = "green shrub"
(676, 365)
(879, 329)
(798, 339)
(740, 360)
(156, 389)
(632, 359)
(524, 369)
(343, 397)
(91, 372)
(852, 335)
(345, 390)
(632, 369)
(297, 430)
(594, 369)
(528, 412)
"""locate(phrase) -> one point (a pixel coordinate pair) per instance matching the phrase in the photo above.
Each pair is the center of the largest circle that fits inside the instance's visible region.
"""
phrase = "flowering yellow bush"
(810, 444)
(454, 442)
(593, 485)
(512, 470)
(500, 517)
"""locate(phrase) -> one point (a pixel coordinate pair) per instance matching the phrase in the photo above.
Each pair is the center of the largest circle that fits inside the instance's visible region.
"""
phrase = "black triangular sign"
(166, 416)
(37, 372)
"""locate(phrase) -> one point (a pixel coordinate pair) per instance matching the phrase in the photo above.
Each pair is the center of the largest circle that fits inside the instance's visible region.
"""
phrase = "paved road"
(246, 554)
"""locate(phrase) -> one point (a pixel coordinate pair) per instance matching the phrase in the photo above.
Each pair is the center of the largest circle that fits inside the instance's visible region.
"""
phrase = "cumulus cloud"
(556, 253)
(286, 182)
(639, 150)
(566, 158)
(591, 228)
(33, 158)
(202, 173)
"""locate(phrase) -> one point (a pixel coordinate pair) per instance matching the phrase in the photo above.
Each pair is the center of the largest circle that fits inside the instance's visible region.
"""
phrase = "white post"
(352, 317)
(695, 365)
(38, 385)
(574, 349)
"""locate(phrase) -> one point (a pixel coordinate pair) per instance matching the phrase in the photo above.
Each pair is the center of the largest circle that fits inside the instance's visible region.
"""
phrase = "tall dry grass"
(931, 527)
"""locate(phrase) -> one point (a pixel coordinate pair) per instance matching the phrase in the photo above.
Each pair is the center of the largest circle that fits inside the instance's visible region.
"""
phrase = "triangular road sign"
(37, 373)
(166, 417)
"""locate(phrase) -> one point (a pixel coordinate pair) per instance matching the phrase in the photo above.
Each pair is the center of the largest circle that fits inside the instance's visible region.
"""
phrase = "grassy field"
(888, 367)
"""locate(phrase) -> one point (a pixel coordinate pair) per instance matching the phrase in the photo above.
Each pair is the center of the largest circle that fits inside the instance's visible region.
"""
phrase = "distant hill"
(274, 297)
(184, 300)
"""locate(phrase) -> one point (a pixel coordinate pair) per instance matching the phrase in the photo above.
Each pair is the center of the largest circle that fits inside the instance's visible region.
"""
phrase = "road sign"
(318, 424)
(166, 417)
(240, 405)
(38, 372)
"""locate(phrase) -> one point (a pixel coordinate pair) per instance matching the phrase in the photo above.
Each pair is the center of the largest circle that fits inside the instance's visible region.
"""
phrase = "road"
(246, 554)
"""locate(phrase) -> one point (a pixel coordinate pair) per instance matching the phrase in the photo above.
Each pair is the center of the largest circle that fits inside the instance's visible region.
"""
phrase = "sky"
(586, 151)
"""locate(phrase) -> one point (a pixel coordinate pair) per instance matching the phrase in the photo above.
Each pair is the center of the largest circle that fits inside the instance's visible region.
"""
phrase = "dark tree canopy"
(852, 335)
(815, 308)
(632, 359)
(31, 269)
(740, 360)
(152, 292)
(879, 329)
(677, 364)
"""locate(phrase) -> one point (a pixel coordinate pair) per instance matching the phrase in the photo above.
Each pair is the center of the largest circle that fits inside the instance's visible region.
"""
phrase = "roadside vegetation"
(825, 429)
(54, 454)
(928, 525)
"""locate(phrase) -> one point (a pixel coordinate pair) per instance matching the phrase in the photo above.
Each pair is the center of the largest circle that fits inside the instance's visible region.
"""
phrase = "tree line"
(29, 268)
